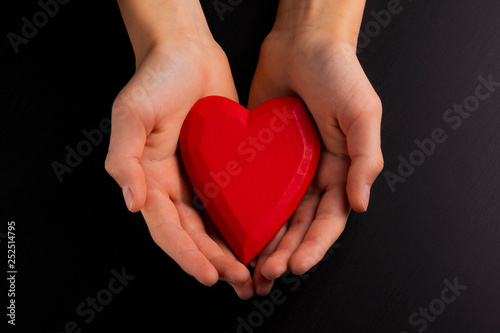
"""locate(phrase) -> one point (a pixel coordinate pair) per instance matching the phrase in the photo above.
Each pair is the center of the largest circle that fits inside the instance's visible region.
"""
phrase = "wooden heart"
(249, 169)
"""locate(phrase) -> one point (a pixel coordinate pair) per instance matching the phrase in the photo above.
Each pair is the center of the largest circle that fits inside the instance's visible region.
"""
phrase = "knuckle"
(364, 107)
(370, 105)
(121, 108)
(374, 163)
(378, 163)
(374, 105)
(111, 165)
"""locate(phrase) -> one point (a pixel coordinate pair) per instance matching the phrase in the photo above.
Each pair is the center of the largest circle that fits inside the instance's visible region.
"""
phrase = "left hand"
(315, 64)
(178, 63)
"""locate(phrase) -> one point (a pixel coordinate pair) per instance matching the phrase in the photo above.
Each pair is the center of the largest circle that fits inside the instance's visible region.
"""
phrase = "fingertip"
(135, 196)
(273, 268)
(263, 289)
(359, 198)
(129, 175)
(245, 292)
(196, 265)
(128, 196)
(262, 285)
(241, 276)
(230, 270)
(301, 264)
(246, 295)
(360, 178)
(207, 276)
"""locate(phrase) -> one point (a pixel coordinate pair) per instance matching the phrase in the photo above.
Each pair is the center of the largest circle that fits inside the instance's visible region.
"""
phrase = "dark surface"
(441, 224)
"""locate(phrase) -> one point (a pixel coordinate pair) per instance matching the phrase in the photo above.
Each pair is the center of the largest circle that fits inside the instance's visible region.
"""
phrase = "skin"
(309, 53)
(316, 60)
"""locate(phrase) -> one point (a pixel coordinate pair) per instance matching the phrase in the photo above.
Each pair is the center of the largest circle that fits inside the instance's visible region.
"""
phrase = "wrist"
(337, 20)
(153, 24)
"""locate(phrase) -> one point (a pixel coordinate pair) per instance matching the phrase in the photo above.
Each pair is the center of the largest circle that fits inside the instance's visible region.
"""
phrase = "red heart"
(250, 169)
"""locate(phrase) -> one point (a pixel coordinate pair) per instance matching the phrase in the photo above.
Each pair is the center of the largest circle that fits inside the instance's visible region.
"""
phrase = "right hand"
(143, 154)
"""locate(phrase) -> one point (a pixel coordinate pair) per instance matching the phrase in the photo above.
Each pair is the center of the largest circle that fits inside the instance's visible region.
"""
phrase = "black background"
(440, 224)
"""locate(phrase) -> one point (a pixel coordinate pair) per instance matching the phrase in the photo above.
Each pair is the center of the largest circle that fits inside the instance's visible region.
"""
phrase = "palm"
(328, 77)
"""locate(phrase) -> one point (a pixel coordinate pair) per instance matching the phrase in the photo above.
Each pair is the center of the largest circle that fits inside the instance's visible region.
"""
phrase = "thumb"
(363, 145)
(128, 136)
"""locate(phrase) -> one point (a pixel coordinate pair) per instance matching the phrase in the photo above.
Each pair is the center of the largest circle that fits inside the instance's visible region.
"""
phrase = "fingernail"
(128, 196)
(366, 197)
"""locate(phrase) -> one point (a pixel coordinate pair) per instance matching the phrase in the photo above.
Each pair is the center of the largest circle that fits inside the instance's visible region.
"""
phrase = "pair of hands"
(306, 61)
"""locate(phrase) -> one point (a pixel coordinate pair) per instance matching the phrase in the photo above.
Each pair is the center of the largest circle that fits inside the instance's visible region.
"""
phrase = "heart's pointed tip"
(246, 260)
(248, 249)
(247, 253)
